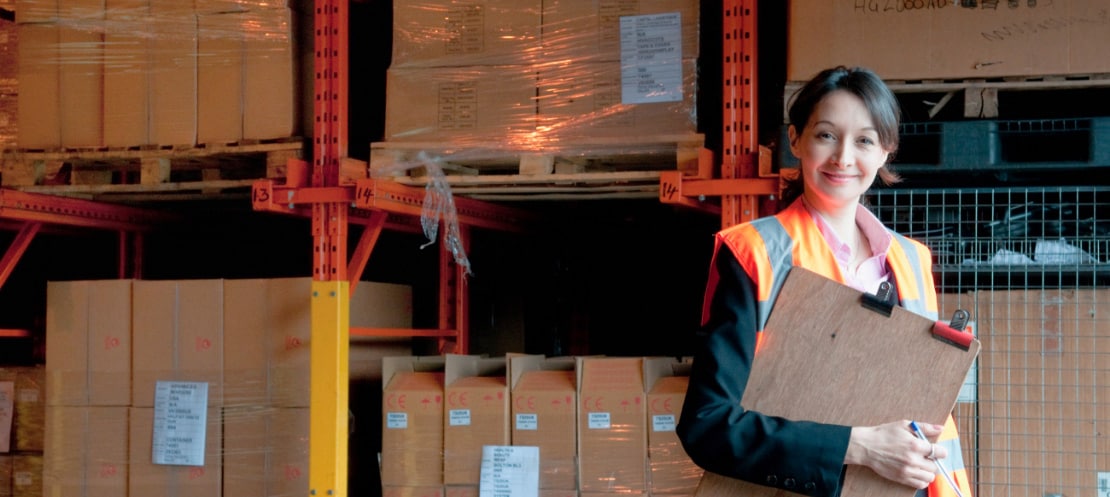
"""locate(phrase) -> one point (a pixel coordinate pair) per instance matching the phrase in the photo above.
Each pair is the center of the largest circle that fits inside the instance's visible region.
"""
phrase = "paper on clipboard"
(817, 342)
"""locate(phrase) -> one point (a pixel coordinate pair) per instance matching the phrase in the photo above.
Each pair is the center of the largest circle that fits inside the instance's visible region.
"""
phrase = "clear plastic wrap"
(247, 341)
(603, 425)
(131, 74)
(602, 77)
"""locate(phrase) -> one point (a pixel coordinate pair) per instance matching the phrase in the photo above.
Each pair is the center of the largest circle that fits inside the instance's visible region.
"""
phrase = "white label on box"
(527, 422)
(180, 422)
(459, 417)
(396, 420)
(662, 422)
(509, 471)
(598, 420)
(1103, 484)
(651, 58)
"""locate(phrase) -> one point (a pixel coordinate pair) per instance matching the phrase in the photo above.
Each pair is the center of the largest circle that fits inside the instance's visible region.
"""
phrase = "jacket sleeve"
(722, 437)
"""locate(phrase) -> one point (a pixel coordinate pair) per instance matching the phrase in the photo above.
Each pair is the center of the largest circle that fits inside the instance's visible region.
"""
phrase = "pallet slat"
(211, 168)
(602, 166)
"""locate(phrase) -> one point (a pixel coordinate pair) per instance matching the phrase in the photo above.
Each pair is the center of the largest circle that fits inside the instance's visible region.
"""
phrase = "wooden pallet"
(147, 170)
(588, 168)
(979, 96)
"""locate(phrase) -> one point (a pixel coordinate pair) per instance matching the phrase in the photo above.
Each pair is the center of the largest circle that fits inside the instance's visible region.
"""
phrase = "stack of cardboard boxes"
(522, 75)
(9, 86)
(128, 73)
(22, 430)
(601, 429)
(948, 40)
(110, 342)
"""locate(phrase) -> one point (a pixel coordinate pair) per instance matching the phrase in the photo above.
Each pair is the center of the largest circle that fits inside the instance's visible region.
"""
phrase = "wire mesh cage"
(1032, 266)
(1006, 238)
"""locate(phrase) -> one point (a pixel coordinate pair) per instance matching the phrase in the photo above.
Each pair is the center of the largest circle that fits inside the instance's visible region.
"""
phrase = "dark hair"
(877, 97)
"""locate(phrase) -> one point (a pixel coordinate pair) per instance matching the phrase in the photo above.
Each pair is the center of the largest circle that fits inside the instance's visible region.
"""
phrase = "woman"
(844, 130)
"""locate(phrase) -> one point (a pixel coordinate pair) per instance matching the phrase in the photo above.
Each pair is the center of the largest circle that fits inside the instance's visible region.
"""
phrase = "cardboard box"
(220, 46)
(27, 475)
(412, 491)
(460, 104)
(268, 323)
(37, 11)
(147, 478)
(265, 451)
(81, 80)
(589, 100)
(544, 402)
(29, 421)
(412, 422)
(9, 58)
(7, 413)
(39, 107)
(88, 333)
(126, 73)
(476, 413)
(178, 336)
(289, 435)
(612, 436)
(269, 75)
(9, 134)
(579, 31)
(272, 319)
(86, 451)
(550, 492)
(461, 491)
(173, 76)
(672, 471)
(430, 33)
(247, 321)
(246, 449)
(5, 475)
(988, 39)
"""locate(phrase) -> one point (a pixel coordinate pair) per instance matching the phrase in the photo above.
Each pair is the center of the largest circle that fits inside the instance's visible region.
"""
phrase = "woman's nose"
(841, 157)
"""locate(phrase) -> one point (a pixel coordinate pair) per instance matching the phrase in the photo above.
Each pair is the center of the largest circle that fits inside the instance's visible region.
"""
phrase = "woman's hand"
(892, 451)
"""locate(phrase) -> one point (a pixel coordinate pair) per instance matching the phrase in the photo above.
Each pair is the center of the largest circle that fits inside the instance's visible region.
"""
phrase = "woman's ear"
(792, 135)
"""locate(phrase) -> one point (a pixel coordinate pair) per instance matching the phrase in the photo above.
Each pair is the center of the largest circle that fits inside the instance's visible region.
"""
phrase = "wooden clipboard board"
(827, 358)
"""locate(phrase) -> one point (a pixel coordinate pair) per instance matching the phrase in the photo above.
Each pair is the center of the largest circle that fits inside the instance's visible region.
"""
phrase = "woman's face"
(839, 151)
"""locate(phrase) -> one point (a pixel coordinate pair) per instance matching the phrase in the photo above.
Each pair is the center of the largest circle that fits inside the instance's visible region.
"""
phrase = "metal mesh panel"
(1030, 264)
(993, 238)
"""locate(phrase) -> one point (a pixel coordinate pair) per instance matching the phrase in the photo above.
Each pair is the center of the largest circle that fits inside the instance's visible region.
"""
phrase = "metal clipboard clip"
(882, 301)
(957, 332)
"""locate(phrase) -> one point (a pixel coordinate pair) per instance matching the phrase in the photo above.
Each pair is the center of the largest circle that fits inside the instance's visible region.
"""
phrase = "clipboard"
(833, 354)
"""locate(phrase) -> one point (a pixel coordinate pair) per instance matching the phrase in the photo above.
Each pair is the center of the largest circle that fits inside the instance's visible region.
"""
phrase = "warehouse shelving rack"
(315, 190)
(744, 184)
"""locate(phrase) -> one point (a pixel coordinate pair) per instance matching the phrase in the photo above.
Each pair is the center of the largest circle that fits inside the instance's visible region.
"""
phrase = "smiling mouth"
(839, 177)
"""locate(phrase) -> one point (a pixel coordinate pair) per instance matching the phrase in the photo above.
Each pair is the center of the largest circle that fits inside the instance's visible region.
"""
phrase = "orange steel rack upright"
(745, 175)
(333, 207)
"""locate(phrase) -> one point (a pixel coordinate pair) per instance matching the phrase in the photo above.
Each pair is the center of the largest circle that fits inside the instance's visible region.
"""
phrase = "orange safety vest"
(768, 247)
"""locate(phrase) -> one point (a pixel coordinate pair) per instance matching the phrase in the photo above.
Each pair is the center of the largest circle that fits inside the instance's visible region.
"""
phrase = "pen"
(940, 467)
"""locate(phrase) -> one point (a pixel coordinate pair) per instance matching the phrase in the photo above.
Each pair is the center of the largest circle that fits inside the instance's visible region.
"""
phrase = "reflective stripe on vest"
(954, 463)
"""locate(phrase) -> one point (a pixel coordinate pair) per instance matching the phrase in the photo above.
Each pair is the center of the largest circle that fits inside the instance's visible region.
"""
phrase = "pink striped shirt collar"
(871, 272)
